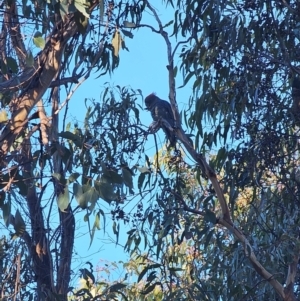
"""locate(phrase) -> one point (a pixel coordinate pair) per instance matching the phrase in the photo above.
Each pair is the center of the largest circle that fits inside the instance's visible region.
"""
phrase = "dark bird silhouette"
(161, 109)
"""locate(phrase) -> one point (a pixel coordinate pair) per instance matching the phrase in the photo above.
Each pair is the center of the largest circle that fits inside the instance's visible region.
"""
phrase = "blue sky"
(143, 67)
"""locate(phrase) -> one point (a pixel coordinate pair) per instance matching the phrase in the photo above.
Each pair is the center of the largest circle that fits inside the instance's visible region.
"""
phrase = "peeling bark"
(38, 79)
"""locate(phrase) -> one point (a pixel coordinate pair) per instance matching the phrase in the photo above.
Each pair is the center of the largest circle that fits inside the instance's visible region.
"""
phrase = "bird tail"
(171, 137)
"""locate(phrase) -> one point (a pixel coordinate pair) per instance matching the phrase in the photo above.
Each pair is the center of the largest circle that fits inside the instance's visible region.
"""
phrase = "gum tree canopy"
(48, 49)
(242, 226)
(216, 219)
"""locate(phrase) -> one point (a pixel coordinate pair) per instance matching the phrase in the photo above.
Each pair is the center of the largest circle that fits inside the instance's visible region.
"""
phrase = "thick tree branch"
(172, 91)
(44, 122)
(290, 279)
(251, 256)
(47, 65)
(39, 249)
(225, 219)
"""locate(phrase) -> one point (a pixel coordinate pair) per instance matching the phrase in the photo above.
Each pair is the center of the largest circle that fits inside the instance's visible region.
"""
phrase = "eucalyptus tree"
(49, 49)
(241, 59)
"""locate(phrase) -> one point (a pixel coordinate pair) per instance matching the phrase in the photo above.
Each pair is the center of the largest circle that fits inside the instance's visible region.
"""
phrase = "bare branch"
(290, 279)
(290, 9)
(172, 91)
(185, 206)
(65, 81)
(44, 122)
(148, 26)
(225, 219)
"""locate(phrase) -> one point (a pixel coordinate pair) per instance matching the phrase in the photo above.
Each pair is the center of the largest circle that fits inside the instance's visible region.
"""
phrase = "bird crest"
(150, 99)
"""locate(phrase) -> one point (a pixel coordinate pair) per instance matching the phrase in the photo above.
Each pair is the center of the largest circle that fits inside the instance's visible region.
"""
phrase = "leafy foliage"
(241, 58)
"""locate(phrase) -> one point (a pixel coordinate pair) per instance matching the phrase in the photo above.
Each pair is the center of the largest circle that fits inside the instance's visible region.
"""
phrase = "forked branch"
(224, 220)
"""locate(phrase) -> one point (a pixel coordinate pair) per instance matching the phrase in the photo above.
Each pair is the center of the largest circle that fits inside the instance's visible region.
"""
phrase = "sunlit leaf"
(3, 116)
(63, 199)
(95, 226)
(57, 176)
(82, 6)
(80, 196)
(116, 43)
(73, 177)
(38, 40)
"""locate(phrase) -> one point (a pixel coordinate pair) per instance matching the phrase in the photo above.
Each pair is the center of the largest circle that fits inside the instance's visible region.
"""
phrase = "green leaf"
(146, 269)
(116, 230)
(57, 176)
(95, 226)
(6, 210)
(106, 191)
(127, 33)
(29, 59)
(141, 180)
(117, 287)
(80, 196)
(127, 24)
(73, 137)
(86, 274)
(168, 24)
(143, 169)
(210, 216)
(208, 238)
(92, 196)
(82, 6)
(2, 198)
(112, 176)
(127, 176)
(38, 40)
(12, 64)
(101, 9)
(63, 200)
(82, 22)
(63, 9)
(19, 225)
(73, 177)
(150, 288)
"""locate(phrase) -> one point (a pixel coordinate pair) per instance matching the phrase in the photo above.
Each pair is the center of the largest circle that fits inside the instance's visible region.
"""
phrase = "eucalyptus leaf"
(38, 40)
(63, 199)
